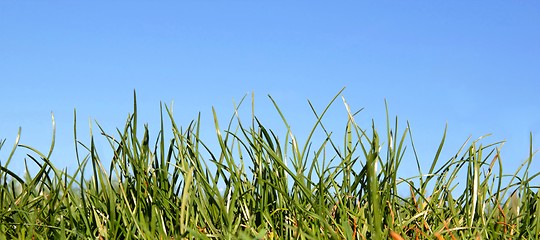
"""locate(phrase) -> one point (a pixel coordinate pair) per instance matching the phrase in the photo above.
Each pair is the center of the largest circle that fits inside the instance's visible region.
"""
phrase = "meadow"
(260, 185)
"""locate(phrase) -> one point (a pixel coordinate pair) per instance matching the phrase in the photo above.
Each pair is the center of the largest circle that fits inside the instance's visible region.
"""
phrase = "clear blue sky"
(472, 64)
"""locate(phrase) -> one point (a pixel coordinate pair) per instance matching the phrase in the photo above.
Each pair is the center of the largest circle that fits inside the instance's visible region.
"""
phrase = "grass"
(256, 184)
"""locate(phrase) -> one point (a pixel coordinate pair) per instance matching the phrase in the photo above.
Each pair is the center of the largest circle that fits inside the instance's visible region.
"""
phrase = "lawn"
(258, 184)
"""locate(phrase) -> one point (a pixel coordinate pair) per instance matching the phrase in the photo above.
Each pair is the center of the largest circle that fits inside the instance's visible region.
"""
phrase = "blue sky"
(472, 65)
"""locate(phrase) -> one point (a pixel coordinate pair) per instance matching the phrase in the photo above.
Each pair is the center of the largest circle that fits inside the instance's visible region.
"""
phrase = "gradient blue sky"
(472, 64)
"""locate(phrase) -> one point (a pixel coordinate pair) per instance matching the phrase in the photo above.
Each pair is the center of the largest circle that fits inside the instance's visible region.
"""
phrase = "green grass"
(257, 184)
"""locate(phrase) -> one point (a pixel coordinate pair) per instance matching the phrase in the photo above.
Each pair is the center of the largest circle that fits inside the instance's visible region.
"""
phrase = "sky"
(473, 66)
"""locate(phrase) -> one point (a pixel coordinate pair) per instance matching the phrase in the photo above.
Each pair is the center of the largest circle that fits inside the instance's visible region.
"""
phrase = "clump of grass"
(257, 184)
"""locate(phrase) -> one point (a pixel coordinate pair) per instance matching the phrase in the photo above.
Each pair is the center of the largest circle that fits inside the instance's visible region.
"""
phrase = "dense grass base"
(257, 185)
